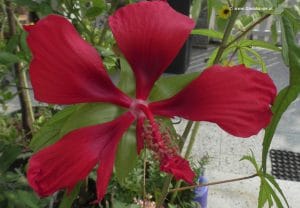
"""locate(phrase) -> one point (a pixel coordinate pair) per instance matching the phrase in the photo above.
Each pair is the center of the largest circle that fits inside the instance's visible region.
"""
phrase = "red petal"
(178, 167)
(66, 69)
(71, 159)
(149, 34)
(237, 98)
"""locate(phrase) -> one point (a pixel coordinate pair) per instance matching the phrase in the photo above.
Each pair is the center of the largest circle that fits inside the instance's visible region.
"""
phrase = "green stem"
(185, 133)
(165, 191)
(227, 32)
(187, 154)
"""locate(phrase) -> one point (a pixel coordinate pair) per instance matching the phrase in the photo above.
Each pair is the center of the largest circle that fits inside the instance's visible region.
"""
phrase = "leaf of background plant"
(93, 12)
(28, 199)
(68, 198)
(12, 43)
(288, 94)
(7, 58)
(8, 155)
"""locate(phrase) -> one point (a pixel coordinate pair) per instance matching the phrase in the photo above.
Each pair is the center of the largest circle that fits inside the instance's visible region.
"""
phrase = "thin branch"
(238, 37)
(214, 183)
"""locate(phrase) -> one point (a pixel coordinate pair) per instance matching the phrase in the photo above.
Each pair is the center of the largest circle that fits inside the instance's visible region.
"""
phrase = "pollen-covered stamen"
(159, 141)
(138, 108)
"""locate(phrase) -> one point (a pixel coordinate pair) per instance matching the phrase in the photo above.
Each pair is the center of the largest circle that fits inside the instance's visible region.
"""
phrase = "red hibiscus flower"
(67, 70)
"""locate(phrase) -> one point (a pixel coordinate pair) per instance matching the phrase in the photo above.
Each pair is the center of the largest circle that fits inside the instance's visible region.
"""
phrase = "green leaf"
(258, 58)
(88, 115)
(28, 199)
(264, 195)
(24, 46)
(8, 155)
(168, 86)
(126, 157)
(68, 198)
(94, 12)
(244, 58)
(251, 159)
(99, 3)
(274, 33)
(208, 32)
(258, 43)
(50, 132)
(126, 83)
(72, 118)
(7, 58)
(12, 43)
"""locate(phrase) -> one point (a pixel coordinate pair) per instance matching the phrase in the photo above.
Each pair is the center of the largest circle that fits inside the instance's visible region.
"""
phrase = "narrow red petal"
(70, 160)
(178, 167)
(150, 34)
(237, 98)
(65, 69)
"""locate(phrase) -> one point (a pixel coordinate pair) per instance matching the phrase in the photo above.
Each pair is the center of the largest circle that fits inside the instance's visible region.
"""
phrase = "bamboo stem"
(24, 97)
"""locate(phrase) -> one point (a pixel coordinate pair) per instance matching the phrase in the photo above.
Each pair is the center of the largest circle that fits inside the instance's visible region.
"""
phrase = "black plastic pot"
(181, 62)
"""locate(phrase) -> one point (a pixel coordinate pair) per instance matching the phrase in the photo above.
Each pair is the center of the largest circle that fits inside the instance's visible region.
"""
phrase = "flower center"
(138, 108)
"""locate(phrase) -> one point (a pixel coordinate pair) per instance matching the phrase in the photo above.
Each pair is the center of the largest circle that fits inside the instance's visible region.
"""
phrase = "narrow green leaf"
(274, 196)
(68, 198)
(258, 58)
(275, 184)
(126, 157)
(7, 58)
(208, 32)
(258, 43)
(244, 58)
(251, 158)
(168, 86)
(264, 195)
(212, 57)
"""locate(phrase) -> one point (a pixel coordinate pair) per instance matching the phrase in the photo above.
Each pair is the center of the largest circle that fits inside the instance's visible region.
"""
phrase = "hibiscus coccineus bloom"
(67, 70)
